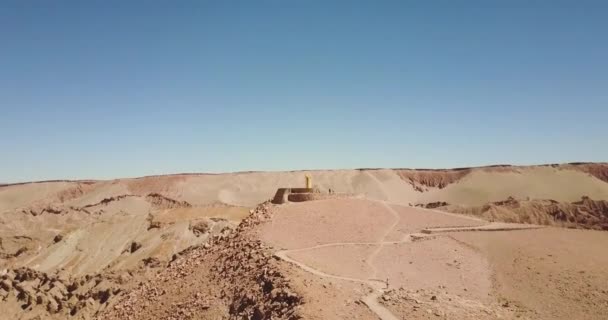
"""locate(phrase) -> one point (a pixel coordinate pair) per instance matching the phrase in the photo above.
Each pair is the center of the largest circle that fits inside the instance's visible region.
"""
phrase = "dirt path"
(370, 300)
(378, 286)
(388, 231)
(372, 303)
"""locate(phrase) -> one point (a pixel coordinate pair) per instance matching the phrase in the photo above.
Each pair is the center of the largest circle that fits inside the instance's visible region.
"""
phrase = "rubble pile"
(57, 294)
(439, 304)
(234, 276)
(159, 201)
(249, 277)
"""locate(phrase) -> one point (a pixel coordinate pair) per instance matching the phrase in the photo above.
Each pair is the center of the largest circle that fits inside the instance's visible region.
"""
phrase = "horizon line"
(8, 184)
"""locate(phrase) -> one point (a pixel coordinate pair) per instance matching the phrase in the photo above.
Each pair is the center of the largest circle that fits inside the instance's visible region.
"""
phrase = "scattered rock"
(244, 273)
(152, 262)
(199, 227)
(57, 294)
(57, 238)
(6, 285)
(134, 246)
(159, 201)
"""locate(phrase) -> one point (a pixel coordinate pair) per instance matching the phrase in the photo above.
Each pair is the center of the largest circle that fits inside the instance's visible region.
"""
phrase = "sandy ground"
(323, 238)
(329, 298)
(301, 225)
(345, 260)
(555, 273)
(231, 213)
(433, 264)
(535, 273)
(411, 220)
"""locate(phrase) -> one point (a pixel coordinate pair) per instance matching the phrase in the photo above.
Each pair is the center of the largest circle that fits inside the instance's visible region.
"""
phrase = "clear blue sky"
(128, 88)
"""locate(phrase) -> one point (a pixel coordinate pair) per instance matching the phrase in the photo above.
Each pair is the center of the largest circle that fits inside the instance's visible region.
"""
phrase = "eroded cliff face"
(421, 180)
(585, 214)
(76, 248)
(598, 170)
(235, 276)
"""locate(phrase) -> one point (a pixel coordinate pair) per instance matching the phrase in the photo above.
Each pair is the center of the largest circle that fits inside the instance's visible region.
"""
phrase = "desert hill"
(461, 186)
(328, 259)
(81, 248)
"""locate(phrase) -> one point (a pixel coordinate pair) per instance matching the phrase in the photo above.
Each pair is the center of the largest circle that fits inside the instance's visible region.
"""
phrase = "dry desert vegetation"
(499, 242)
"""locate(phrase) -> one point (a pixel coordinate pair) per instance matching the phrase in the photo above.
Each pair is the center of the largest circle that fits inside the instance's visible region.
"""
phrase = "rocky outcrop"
(233, 277)
(598, 170)
(159, 201)
(200, 227)
(584, 214)
(15, 246)
(261, 291)
(432, 205)
(56, 294)
(106, 201)
(37, 210)
(421, 180)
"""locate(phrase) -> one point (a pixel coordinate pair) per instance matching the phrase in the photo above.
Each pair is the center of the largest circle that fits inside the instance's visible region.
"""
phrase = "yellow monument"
(308, 182)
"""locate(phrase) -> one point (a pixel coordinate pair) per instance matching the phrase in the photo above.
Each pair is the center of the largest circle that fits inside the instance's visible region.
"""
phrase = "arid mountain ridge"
(98, 248)
(598, 169)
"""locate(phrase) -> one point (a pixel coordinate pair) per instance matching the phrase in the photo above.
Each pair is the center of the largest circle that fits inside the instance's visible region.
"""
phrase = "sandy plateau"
(498, 242)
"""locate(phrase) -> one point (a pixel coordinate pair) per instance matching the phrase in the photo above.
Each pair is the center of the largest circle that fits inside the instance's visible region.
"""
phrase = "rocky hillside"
(462, 186)
(233, 277)
(585, 213)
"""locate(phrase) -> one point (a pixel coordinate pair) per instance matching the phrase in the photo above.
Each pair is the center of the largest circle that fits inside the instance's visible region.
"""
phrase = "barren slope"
(101, 235)
(470, 186)
(337, 268)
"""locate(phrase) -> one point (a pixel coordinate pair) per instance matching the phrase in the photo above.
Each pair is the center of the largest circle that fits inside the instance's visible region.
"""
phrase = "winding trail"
(388, 231)
(378, 286)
